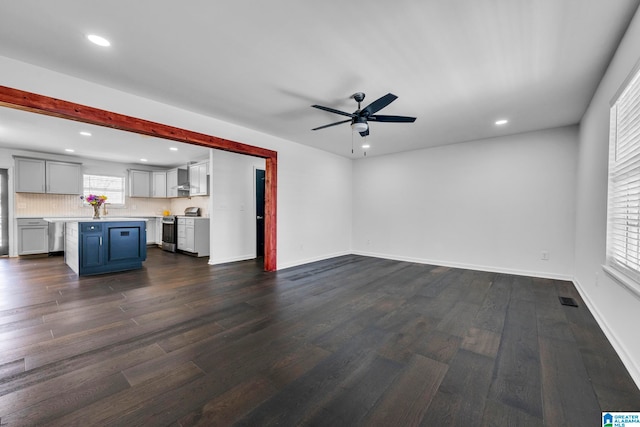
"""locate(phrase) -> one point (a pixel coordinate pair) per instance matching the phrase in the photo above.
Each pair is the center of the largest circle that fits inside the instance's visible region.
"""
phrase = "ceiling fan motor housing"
(359, 119)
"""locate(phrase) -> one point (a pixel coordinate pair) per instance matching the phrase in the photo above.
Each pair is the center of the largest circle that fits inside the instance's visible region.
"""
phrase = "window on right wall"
(623, 211)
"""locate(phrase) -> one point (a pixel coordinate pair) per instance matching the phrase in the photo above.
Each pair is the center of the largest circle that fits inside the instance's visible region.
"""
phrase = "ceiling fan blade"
(332, 124)
(392, 119)
(365, 133)
(378, 105)
(333, 110)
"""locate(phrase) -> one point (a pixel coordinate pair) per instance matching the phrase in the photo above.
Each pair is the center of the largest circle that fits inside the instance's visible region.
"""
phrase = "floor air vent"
(568, 301)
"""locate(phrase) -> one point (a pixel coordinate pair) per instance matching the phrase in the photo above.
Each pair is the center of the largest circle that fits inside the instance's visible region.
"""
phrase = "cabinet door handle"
(100, 240)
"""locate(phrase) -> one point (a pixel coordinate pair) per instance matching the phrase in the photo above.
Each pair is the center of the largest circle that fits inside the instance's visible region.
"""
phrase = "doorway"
(260, 186)
(4, 212)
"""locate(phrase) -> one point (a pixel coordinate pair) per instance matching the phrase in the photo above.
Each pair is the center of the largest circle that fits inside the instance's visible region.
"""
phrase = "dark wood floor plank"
(407, 400)
(348, 340)
(230, 406)
(438, 345)
(402, 346)
(72, 399)
(498, 414)
(47, 388)
(482, 342)
(305, 396)
(12, 368)
(568, 397)
(517, 373)
(355, 400)
(190, 336)
(493, 308)
(461, 397)
(459, 319)
(114, 408)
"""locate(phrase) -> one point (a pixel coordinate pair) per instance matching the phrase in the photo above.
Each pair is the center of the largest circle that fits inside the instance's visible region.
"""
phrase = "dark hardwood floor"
(342, 342)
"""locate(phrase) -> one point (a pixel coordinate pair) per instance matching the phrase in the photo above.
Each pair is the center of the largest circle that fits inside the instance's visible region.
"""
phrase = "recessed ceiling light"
(502, 122)
(366, 146)
(173, 148)
(69, 150)
(85, 133)
(100, 41)
(143, 160)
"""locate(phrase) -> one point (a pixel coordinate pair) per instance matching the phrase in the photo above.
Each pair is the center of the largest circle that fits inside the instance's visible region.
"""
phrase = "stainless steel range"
(169, 233)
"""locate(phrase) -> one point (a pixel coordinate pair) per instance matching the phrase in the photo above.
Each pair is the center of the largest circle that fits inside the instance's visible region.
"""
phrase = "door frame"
(41, 104)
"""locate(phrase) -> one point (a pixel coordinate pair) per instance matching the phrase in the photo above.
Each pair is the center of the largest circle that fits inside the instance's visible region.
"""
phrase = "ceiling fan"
(359, 119)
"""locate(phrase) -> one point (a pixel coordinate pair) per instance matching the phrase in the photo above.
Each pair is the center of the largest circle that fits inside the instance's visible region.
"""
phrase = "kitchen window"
(110, 186)
(623, 213)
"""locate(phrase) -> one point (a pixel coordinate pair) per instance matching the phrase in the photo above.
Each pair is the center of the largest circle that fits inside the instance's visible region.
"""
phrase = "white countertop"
(90, 219)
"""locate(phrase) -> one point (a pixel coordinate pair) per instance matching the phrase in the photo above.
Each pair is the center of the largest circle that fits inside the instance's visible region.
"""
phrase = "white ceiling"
(457, 65)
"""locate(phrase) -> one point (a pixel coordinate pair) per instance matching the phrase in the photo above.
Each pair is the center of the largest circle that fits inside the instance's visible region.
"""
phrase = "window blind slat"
(623, 208)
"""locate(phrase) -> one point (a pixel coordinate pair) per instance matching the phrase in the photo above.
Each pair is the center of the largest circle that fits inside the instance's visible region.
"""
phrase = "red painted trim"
(40, 104)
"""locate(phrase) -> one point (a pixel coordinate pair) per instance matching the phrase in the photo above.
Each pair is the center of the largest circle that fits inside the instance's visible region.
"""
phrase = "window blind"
(101, 185)
(623, 212)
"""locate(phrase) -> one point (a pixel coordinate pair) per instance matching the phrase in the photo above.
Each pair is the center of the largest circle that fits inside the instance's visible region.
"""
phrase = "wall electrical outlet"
(545, 256)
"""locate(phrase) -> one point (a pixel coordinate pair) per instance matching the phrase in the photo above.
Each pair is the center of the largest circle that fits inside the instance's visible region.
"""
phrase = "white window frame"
(100, 191)
(623, 207)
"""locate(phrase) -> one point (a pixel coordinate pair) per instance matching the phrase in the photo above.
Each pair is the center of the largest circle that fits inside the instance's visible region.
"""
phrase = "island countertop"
(89, 219)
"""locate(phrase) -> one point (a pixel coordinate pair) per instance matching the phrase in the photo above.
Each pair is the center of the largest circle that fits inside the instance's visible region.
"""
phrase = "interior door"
(259, 212)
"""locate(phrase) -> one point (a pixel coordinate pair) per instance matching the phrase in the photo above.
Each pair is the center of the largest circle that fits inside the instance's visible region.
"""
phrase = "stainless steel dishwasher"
(56, 236)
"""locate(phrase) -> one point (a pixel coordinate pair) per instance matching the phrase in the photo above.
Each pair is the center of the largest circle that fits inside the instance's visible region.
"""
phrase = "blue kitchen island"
(105, 245)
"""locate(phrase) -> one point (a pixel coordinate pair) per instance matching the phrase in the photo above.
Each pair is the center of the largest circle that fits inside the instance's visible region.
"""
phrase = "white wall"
(616, 308)
(233, 217)
(314, 187)
(492, 204)
(315, 195)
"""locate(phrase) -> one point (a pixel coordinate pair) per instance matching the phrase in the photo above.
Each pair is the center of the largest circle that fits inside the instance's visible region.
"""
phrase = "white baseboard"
(231, 259)
(296, 263)
(618, 346)
(490, 269)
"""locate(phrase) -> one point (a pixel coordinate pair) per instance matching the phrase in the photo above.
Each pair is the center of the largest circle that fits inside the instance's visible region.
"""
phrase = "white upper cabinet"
(64, 178)
(30, 175)
(45, 176)
(139, 183)
(199, 179)
(159, 181)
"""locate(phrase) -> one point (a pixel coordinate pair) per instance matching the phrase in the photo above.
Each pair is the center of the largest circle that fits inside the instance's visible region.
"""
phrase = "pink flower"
(94, 200)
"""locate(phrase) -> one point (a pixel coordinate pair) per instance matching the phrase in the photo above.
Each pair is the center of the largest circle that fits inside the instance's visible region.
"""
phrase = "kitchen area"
(195, 200)
(163, 208)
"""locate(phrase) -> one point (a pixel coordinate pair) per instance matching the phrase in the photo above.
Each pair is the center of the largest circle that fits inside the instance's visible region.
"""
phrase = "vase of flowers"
(95, 202)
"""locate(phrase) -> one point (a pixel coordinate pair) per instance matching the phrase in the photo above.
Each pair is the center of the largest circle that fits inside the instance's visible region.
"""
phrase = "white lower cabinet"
(151, 231)
(33, 236)
(193, 236)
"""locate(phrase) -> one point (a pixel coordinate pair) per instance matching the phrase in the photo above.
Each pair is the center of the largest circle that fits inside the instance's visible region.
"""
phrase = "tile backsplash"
(63, 205)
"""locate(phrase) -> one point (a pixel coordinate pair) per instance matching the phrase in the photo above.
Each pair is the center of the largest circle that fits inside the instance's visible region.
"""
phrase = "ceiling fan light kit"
(359, 125)
(359, 118)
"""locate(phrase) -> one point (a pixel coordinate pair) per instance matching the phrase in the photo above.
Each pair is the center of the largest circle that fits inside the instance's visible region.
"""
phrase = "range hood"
(186, 186)
(183, 181)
